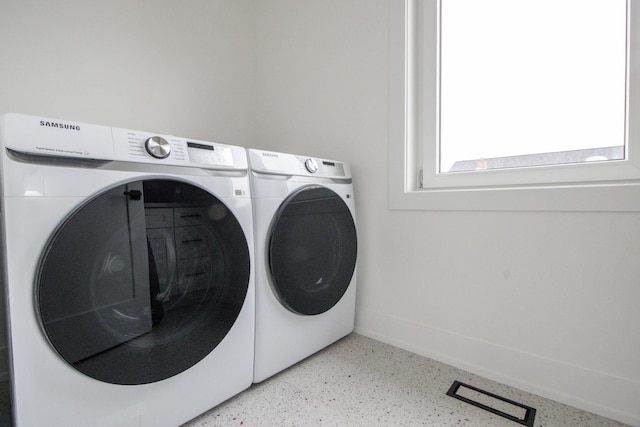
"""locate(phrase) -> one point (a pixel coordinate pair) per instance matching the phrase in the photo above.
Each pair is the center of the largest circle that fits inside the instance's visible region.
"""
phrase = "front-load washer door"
(312, 250)
(143, 281)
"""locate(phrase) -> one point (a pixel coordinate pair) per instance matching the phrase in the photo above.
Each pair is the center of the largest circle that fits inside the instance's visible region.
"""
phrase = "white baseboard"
(603, 394)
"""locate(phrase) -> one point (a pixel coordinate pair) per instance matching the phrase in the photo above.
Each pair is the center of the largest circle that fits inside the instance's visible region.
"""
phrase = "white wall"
(549, 302)
(149, 65)
(185, 68)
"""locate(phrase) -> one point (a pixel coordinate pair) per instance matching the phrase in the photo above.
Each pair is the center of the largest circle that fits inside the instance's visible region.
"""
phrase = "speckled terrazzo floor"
(362, 382)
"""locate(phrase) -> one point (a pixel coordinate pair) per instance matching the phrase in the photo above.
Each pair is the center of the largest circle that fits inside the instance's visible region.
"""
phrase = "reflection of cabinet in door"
(159, 222)
(184, 248)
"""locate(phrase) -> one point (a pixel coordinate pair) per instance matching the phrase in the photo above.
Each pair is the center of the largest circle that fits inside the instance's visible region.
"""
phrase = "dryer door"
(312, 250)
(143, 281)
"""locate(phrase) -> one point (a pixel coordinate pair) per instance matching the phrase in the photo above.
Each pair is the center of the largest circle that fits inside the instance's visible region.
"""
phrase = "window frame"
(605, 186)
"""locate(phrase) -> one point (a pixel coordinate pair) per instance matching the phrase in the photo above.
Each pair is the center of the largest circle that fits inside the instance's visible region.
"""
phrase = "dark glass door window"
(143, 281)
(312, 250)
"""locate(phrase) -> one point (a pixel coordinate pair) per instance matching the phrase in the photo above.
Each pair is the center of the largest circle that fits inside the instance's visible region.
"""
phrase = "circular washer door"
(312, 250)
(143, 281)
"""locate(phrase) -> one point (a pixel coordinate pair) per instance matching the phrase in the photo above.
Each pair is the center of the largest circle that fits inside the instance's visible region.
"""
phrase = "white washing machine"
(306, 247)
(128, 268)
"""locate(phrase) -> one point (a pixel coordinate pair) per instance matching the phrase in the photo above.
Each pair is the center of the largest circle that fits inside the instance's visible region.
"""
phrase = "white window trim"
(620, 195)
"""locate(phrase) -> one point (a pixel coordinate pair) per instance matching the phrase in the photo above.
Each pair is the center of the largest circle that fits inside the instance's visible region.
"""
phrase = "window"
(531, 83)
(548, 86)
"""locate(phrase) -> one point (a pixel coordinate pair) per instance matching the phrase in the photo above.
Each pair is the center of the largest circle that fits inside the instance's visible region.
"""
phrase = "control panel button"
(158, 147)
(311, 165)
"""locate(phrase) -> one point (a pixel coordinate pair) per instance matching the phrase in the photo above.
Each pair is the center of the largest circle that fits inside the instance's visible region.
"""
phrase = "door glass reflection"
(143, 281)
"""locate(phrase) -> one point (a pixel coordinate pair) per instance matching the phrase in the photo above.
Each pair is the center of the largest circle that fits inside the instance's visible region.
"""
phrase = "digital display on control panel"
(201, 146)
(209, 154)
(330, 168)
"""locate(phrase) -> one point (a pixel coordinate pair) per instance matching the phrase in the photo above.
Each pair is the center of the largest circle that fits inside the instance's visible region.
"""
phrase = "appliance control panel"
(143, 147)
(269, 162)
(66, 139)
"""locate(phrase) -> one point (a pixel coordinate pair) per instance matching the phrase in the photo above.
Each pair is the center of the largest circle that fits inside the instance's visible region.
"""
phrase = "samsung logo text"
(59, 125)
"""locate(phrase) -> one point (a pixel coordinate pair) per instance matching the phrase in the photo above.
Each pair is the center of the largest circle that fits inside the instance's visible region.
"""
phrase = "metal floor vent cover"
(506, 408)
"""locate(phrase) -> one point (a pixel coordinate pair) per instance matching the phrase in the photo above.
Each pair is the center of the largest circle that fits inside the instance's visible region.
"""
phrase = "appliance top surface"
(274, 163)
(61, 138)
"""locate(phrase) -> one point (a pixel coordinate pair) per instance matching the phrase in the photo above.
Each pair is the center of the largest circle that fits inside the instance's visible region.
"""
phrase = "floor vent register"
(506, 408)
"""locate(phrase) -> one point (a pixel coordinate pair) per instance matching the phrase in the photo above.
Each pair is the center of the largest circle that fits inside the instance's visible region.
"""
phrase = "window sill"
(619, 197)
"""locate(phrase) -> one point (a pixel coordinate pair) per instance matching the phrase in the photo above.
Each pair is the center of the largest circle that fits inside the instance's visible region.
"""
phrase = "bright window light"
(531, 83)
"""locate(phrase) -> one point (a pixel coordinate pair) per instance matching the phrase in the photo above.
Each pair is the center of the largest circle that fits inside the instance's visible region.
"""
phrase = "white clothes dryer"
(128, 271)
(306, 247)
